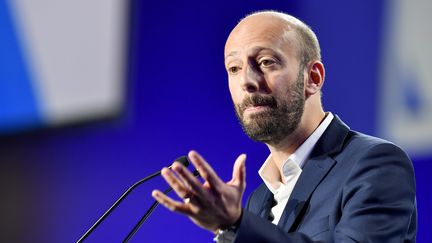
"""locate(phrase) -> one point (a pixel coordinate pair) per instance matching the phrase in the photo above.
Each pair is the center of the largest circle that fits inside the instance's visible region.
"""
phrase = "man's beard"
(279, 119)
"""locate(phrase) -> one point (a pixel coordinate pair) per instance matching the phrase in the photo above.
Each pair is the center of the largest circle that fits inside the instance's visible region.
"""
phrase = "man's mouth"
(256, 109)
(257, 103)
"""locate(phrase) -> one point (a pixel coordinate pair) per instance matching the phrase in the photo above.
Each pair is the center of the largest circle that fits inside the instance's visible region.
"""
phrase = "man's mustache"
(258, 100)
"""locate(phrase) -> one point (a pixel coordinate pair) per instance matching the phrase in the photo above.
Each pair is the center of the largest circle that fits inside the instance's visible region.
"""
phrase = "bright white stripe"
(406, 100)
(76, 52)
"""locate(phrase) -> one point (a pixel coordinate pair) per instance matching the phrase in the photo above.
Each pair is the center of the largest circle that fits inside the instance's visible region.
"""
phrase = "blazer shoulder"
(363, 143)
(340, 139)
(365, 153)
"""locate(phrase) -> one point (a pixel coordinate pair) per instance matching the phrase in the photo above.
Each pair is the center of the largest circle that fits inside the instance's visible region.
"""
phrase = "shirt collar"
(269, 173)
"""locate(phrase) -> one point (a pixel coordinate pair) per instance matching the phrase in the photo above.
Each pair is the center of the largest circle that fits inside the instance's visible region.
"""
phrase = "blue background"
(57, 182)
(18, 105)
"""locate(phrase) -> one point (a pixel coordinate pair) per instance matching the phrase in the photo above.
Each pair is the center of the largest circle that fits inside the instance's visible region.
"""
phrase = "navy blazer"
(353, 188)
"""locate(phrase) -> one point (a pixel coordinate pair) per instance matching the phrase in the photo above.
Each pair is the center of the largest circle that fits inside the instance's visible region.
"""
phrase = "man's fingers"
(178, 186)
(190, 180)
(205, 170)
(239, 172)
(184, 208)
(166, 201)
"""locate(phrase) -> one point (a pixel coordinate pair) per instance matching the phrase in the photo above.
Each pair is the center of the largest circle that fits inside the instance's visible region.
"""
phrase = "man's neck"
(289, 145)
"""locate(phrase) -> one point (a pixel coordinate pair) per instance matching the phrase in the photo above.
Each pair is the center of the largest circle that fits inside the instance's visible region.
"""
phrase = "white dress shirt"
(291, 170)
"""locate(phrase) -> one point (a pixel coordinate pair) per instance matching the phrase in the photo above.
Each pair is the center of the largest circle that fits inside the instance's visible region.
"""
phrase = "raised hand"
(212, 205)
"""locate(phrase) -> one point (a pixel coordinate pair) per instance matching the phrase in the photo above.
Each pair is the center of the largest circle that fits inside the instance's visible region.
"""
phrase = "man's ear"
(315, 78)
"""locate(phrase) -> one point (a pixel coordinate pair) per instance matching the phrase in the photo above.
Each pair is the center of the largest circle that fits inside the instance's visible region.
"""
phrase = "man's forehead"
(257, 30)
(267, 22)
(262, 23)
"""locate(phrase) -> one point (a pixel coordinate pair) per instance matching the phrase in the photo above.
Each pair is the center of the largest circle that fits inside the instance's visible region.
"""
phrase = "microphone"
(150, 211)
(183, 160)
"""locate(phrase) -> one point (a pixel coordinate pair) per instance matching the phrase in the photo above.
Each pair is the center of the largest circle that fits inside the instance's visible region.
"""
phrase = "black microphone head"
(196, 173)
(183, 160)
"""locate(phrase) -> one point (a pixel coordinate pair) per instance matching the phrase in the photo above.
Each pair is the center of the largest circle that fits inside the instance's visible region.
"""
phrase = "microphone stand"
(182, 159)
(144, 218)
(148, 212)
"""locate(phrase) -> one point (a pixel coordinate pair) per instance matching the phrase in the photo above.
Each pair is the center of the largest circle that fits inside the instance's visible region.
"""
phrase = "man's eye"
(266, 62)
(233, 70)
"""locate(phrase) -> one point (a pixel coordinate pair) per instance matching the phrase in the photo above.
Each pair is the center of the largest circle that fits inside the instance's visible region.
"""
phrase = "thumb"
(239, 172)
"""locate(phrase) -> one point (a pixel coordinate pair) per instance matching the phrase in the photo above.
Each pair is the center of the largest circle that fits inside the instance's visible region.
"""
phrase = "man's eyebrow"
(273, 52)
(233, 53)
(255, 51)
(260, 49)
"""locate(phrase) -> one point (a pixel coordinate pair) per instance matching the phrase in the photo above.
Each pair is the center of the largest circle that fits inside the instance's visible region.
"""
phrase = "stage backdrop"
(55, 182)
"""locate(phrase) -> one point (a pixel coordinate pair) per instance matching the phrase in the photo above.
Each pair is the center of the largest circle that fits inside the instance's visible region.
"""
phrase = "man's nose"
(250, 79)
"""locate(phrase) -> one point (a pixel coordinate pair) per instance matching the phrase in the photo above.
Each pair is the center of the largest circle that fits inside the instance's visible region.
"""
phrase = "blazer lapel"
(267, 205)
(260, 202)
(314, 171)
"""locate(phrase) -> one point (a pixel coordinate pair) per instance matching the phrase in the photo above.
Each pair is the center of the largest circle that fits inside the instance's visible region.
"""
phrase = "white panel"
(406, 100)
(76, 54)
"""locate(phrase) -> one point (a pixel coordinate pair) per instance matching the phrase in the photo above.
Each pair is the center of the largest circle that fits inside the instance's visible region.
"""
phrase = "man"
(322, 181)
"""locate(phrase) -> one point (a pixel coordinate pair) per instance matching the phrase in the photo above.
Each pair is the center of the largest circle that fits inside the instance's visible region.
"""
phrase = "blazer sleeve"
(378, 204)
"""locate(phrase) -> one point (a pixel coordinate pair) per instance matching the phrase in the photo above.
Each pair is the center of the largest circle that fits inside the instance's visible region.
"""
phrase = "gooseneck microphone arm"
(148, 212)
(183, 160)
(144, 218)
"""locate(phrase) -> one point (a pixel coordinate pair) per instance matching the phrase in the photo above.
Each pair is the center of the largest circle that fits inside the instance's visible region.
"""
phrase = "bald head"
(280, 26)
(275, 77)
